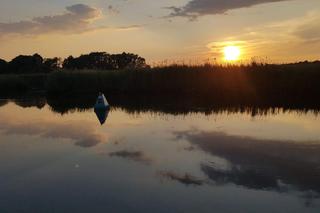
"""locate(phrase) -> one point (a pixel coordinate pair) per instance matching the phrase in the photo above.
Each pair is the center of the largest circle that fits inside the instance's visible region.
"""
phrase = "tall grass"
(231, 84)
(234, 84)
(19, 84)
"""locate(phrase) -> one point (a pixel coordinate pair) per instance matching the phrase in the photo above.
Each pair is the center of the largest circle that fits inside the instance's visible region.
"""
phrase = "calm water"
(156, 162)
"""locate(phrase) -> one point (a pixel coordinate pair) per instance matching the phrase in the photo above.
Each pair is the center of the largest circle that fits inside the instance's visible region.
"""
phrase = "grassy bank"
(260, 84)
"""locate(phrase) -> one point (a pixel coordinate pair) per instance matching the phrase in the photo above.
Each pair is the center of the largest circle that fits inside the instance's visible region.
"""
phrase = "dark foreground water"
(148, 161)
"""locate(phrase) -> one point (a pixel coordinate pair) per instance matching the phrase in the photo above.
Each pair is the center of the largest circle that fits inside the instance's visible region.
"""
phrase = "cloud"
(137, 156)
(130, 27)
(308, 28)
(196, 8)
(113, 10)
(76, 18)
(285, 40)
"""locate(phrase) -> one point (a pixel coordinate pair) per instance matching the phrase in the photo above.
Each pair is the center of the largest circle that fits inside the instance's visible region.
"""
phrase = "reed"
(233, 84)
(19, 84)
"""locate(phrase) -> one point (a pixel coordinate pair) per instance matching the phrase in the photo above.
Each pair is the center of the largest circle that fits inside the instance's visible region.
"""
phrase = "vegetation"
(20, 84)
(135, 104)
(3, 66)
(282, 85)
(105, 61)
(127, 74)
(27, 64)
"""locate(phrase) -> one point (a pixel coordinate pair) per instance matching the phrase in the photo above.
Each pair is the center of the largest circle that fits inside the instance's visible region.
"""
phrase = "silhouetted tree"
(128, 61)
(68, 63)
(3, 66)
(51, 64)
(99, 60)
(26, 64)
(105, 61)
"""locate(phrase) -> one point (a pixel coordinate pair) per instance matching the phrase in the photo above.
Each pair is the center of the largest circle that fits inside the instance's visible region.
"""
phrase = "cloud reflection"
(81, 133)
(249, 178)
(185, 179)
(259, 164)
(137, 156)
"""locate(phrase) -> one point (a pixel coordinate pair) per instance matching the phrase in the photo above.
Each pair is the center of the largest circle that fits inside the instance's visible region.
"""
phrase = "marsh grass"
(231, 84)
(13, 84)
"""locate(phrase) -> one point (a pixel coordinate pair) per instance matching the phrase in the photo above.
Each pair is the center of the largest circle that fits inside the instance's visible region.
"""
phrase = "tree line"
(93, 61)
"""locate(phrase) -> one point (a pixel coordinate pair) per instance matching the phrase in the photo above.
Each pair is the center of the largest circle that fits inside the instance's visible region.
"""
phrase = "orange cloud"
(77, 18)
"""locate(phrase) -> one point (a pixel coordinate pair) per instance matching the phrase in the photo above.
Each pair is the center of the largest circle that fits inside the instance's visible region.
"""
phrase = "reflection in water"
(249, 178)
(101, 108)
(3, 102)
(177, 161)
(102, 115)
(259, 164)
(39, 102)
(185, 179)
(175, 106)
(137, 156)
(82, 134)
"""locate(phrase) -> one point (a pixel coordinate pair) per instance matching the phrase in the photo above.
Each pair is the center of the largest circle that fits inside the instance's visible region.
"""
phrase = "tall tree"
(105, 61)
(26, 64)
(3, 66)
(51, 64)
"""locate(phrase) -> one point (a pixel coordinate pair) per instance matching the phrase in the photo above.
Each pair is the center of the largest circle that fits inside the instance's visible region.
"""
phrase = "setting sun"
(231, 53)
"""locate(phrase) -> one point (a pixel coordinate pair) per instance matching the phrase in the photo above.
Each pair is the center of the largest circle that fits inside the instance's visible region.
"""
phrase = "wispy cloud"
(283, 38)
(308, 28)
(76, 18)
(195, 8)
(113, 10)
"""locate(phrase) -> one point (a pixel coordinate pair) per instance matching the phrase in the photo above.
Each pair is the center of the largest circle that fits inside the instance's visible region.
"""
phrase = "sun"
(231, 53)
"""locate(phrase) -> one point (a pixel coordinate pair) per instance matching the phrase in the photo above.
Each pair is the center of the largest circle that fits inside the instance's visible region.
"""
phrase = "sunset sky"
(192, 30)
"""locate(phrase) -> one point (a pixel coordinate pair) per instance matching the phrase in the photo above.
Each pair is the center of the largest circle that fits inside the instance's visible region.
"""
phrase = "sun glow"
(231, 53)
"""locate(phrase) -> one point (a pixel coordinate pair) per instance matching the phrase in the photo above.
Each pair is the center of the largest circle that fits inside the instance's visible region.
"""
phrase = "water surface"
(150, 161)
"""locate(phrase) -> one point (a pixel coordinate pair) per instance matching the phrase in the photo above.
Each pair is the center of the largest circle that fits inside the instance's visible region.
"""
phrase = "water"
(150, 161)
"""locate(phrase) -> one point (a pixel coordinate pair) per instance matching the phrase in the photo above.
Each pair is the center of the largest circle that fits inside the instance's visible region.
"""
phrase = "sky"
(163, 31)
